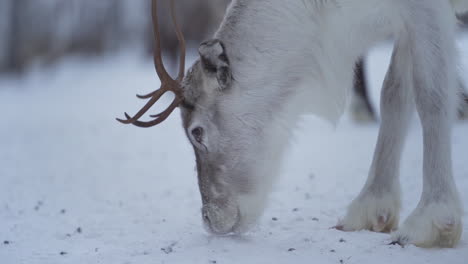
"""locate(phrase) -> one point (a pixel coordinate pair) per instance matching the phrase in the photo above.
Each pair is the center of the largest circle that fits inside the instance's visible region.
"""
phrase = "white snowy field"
(78, 187)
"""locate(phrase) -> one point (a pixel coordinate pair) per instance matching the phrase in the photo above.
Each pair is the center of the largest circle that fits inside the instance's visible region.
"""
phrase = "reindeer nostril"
(206, 218)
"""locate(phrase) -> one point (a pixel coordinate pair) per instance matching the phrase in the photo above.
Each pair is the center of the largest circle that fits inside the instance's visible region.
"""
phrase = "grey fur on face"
(219, 138)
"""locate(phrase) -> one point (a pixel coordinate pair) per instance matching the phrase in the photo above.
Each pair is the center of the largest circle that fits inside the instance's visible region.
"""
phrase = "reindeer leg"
(436, 221)
(361, 108)
(377, 206)
(463, 107)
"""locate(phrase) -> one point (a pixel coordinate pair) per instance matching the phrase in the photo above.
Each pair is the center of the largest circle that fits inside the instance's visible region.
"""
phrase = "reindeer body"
(272, 61)
(288, 58)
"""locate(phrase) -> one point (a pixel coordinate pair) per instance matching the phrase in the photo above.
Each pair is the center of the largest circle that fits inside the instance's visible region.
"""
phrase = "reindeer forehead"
(192, 84)
(195, 93)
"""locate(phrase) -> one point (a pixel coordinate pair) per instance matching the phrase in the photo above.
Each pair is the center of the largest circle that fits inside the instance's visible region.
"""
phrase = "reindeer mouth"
(221, 221)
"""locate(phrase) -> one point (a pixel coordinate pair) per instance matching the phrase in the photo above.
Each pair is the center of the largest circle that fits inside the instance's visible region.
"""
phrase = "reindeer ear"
(215, 61)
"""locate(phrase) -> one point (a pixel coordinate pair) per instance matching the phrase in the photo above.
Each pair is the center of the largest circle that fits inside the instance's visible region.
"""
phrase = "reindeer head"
(228, 140)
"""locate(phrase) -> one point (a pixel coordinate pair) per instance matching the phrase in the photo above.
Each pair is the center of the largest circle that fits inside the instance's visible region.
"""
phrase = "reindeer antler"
(167, 83)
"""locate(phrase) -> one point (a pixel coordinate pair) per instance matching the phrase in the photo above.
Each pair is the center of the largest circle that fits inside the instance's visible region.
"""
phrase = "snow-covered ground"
(78, 187)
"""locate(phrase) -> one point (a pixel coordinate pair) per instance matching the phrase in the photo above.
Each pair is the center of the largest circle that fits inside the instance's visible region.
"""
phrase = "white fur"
(459, 6)
(290, 58)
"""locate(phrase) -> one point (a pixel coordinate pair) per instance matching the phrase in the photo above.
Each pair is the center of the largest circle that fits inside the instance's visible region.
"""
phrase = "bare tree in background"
(50, 29)
(13, 57)
(96, 26)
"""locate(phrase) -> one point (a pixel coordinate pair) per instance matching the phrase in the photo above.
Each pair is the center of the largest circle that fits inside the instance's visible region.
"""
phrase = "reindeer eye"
(197, 133)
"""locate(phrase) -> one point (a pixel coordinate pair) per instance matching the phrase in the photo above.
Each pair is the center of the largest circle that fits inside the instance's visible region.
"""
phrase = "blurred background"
(47, 30)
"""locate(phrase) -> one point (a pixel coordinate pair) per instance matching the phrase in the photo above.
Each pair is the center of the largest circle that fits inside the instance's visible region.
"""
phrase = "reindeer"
(272, 61)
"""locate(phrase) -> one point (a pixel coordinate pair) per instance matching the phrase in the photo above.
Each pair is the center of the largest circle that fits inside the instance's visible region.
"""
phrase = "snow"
(78, 187)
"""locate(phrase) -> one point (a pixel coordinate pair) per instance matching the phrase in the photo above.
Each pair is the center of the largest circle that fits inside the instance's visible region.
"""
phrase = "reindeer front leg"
(377, 206)
(436, 221)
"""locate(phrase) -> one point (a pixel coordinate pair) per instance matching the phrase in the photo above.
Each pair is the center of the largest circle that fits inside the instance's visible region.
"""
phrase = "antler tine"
(155, 97)
(158, 63)
(159, 117)
(146, 96)
(180, 37)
